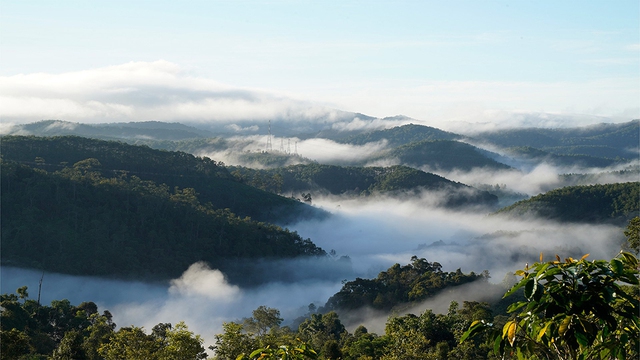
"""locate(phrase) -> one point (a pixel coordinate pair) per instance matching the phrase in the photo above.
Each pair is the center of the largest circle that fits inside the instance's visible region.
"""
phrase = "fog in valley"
(374, 233)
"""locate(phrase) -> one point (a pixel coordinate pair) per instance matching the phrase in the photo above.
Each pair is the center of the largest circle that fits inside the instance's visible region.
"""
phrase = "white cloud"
(200, 279)
(139, 91)
(164, 91)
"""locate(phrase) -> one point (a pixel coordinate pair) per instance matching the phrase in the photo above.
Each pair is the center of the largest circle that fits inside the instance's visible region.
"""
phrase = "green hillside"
(77, 221)
(360, 181)
(584, 203)
(211, 179)
(602, 140)
(574, 159)
(442, 155)
(398, 285)
(401, 135)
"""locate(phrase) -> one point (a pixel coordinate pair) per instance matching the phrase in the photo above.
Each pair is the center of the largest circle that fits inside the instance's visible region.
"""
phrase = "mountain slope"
(77, 221)
(211, 180)
(442, 155)
(585, 203)
(401, 135)
(361, 181)
(615, 140)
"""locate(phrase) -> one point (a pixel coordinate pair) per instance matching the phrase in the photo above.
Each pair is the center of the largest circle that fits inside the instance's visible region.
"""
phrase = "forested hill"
(77, 221)
(603, 140)
(319, 179)
(401, 135)
(443, 155)
(398, 286)
(591, 203)
(209, 178)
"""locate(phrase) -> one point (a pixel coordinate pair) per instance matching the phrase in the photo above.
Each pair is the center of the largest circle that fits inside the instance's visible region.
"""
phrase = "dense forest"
(584, 203)
(77, 221)
(568, 319)
(209, 178)
(106, 208)
(443, 155)
(603, 140)
(361, 181)
(401, 135)
(62, 329)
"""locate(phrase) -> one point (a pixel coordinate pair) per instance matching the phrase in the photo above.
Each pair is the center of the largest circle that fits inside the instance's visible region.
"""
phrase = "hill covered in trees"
(583, 203)
(77, 221)
(401, 135)
(209, 178)
(319, 179)
(602, 140)
(442, 155)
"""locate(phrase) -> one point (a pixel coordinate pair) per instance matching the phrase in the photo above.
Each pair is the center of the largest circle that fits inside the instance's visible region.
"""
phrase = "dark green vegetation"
(585, 203)
(209, 178)
(401, 135)
(576, 309)
(541, 156)
(573, 309)
(443, 155)
(399, 285)
(78, 221)
(603, 140)
(62, 331)
(361, 181)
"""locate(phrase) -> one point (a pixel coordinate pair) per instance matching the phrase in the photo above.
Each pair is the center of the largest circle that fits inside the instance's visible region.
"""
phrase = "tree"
(181, 344)
(282, 352)
(573, 309)
(633, 234)
(233, 342)
(263, 319)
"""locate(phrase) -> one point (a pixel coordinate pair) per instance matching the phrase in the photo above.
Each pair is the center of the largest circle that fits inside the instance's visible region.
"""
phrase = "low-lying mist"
(374, 233)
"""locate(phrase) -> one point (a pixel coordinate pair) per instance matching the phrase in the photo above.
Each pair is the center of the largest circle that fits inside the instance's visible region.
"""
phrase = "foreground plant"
(573, 309)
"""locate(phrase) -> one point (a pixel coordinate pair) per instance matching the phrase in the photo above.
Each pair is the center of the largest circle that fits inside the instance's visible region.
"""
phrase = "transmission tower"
(269, 147)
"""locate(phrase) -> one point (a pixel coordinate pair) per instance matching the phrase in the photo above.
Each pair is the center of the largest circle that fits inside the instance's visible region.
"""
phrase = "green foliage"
(399, 284)
(633, 234)
(360, 181)
(282, 352)
(537, 155)
(573, 309)
(209, 178)
(60, 330)
(77, 221)
(263, 319)
(401, 135)
(583, 203)
(615, 138)
(443, 155)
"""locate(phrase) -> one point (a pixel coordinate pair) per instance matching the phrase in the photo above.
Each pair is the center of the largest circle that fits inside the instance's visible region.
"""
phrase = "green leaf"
(564, 325)
(630, 259)
(529, 288)
(544, 330)
(617, 266)
(497, 345)
(476, 327)
(581, 339)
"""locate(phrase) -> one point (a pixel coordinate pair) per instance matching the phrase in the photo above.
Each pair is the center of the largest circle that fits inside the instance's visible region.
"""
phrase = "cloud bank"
(140, 91)
(164, 91)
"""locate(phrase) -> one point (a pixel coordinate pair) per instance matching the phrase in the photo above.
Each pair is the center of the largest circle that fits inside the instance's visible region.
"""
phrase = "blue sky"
(425, 59)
